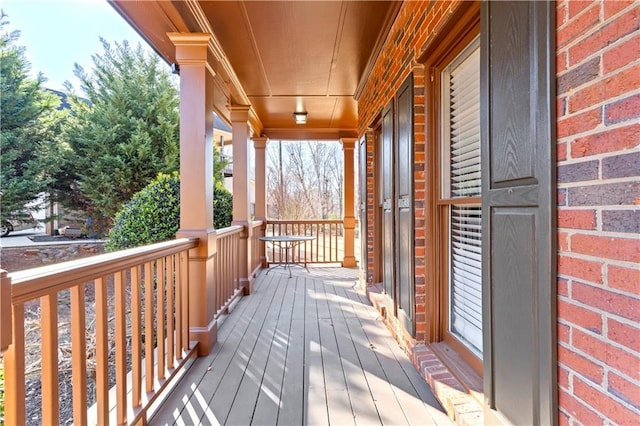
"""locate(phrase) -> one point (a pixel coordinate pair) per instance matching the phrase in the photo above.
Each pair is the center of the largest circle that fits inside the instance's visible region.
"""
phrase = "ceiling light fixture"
(301, 117)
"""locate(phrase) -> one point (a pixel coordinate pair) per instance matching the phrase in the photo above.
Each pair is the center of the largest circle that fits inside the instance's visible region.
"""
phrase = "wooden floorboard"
(306, 350)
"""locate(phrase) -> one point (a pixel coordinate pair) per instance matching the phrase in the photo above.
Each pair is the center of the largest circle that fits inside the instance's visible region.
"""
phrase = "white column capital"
(260, 142)
(348, 143)
(192, 49)
(239, 113)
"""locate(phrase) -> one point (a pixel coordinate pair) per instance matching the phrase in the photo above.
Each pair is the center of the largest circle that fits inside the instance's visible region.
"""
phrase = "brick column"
(260, 145)
(241, 202)
(349, 261)
(196, 181)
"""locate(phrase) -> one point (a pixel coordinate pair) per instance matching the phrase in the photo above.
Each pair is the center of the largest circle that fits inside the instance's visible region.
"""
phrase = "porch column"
(196, 181)
(260, 145)
(241, 213)
(348, 145)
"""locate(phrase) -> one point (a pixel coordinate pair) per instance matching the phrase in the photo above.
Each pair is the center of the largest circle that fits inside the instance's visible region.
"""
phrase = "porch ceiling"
(278, 56)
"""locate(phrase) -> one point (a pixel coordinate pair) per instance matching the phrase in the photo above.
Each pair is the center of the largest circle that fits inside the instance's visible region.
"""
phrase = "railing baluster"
(170, 317)
(148, 325)
(227, 276)
(136, 337)
(317, 241)
(178, 290)
(184, 290)
(331, 234)
(102, 351)
(49, 341)
(79, 354)
(15, 411)
(121, 348)
(218, 276)
(235, 243)
(160, 326)
(324, 242)
(298, 247)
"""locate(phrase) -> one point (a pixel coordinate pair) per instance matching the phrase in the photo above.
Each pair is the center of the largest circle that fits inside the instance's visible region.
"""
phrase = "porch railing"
(256, 246)
(127, 317)
(326, 247)
(227, 274)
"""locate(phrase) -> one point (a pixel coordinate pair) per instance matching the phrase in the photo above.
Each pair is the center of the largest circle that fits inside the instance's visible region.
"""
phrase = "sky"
(59, 33)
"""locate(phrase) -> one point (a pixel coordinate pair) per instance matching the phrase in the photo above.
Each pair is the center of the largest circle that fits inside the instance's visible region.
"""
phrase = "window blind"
(466, 275)
(464, 116)
(462, 111)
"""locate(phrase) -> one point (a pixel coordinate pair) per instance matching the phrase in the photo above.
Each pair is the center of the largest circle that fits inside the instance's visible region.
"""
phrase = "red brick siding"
(598, 87)
(415, 25)
(371, 188)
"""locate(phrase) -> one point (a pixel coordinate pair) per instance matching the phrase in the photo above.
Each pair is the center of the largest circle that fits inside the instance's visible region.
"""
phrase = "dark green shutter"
(388, 222)
(405, 235)
(362, 179)
(518, 209)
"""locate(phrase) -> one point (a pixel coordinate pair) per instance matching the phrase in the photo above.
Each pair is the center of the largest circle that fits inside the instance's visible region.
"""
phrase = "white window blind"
(466, 276)
(461, 107)
(464, 125)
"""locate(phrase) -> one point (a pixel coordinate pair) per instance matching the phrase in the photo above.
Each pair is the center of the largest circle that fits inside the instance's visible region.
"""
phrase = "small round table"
(288, 242)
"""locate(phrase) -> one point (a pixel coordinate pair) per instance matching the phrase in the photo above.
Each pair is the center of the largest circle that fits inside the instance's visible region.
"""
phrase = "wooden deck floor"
(303, 350)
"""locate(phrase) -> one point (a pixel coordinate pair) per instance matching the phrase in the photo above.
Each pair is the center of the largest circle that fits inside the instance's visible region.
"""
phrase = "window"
(453, 215)
(460, 195)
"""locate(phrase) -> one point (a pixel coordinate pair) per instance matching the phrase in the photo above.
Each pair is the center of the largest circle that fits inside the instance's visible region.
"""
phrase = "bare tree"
(304, 180)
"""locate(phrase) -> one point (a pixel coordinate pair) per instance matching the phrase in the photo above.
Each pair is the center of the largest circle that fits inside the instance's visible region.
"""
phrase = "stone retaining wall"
(19, 258)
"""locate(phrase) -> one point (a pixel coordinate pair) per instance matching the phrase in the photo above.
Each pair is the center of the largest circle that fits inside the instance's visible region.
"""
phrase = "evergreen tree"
(127, 132)
(26, 111)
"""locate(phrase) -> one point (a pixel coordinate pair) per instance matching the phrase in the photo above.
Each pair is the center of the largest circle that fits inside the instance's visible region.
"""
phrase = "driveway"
(20, 238)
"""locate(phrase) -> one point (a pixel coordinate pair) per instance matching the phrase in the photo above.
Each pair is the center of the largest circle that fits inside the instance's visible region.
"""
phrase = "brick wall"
(415, 25)
(598, 107)
(370, 201)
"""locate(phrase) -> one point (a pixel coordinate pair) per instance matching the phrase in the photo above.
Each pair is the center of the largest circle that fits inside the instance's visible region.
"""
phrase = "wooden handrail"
(228, 230)
(33, 283)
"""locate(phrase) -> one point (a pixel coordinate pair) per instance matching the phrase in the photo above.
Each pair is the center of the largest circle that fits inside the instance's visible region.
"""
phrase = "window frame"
(456, 37)
(448, 201)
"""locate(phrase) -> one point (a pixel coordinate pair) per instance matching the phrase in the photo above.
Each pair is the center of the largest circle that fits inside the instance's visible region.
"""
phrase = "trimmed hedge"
(153, 214)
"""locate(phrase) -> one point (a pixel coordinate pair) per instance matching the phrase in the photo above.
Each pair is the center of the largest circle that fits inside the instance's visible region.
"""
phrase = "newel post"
(349, 219)
(260, 145)
(196, 181)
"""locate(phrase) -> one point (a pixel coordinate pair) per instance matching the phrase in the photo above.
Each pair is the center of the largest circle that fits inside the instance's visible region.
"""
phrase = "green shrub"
(222, 206)
(153, 214)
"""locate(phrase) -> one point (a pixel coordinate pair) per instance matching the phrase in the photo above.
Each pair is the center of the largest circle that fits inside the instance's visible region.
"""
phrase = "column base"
(207, 337)
(247, 286)
(349, 262)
